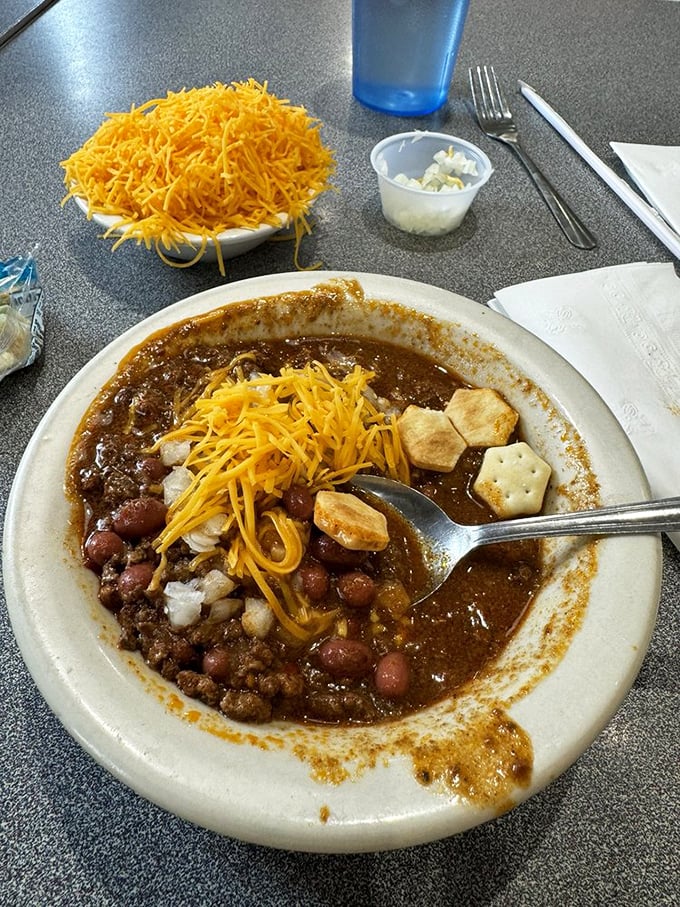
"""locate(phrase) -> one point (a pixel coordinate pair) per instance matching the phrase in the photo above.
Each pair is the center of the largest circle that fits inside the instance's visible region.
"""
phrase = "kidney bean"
(135, 578)
(101, 545)
(393, 675)
(217, 664)
(357, 589)
(345, 657)
(152, 468)
(139, 517)
(316, 581)
(299, 502)
(327, 550)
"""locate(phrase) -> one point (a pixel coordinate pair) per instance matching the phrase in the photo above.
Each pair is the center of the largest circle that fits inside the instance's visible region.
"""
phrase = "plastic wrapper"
(21, 313)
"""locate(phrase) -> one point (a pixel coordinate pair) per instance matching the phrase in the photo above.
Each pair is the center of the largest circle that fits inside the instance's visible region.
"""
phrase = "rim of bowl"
(233, 234)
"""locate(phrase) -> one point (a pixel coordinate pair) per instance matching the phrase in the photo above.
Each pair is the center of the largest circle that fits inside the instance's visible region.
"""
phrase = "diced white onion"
(175, 483)
(258, 618)
(183, 603)
(205, 536)
(215, 585)
(456, 163)
(224, 608)
(443, 175)
(173, 453)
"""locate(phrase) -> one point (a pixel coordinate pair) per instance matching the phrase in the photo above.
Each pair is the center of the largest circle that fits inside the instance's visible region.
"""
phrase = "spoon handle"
(624, 519)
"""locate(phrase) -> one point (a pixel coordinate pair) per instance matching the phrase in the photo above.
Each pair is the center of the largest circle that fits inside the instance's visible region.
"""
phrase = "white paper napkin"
(656, 170)
(620, 328)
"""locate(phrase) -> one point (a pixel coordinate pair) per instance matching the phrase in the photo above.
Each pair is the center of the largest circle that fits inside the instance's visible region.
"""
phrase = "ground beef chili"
(381, 659)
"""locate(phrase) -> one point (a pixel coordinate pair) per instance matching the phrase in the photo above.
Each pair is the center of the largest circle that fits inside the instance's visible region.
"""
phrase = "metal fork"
(496, 120)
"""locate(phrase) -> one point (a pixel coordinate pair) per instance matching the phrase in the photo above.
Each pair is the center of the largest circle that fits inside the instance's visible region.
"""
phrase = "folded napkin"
(656, 170)
(620, 328)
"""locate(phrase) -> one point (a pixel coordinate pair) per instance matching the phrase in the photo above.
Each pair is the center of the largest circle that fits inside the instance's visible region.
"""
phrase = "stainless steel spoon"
(445, 543)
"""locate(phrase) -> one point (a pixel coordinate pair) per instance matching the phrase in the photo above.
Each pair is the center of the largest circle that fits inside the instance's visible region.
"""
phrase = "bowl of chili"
(551, 676)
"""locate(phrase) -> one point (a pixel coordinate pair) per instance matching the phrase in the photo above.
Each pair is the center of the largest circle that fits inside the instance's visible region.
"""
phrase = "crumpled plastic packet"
(21, 313)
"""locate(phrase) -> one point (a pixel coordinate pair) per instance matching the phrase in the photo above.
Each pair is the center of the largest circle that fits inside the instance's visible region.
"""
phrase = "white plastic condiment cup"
(418, 210)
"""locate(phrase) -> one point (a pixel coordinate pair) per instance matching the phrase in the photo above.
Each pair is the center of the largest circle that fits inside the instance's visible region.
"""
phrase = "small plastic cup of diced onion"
(428, 180)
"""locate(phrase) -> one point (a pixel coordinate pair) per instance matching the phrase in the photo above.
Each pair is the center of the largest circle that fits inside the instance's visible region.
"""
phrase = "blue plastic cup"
(404, 53)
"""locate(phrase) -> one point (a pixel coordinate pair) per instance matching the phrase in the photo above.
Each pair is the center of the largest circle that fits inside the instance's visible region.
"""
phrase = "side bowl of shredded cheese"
(428, 180)
(205, 173)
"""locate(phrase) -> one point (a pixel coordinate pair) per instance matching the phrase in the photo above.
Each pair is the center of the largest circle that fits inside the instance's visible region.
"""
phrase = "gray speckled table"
(606, 832)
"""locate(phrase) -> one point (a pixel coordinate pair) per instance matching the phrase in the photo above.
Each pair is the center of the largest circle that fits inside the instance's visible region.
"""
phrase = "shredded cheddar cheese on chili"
(252, 439)
(202, 161)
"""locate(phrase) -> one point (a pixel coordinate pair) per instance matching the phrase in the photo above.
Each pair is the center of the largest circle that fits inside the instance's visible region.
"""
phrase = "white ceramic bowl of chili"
(555, 686)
